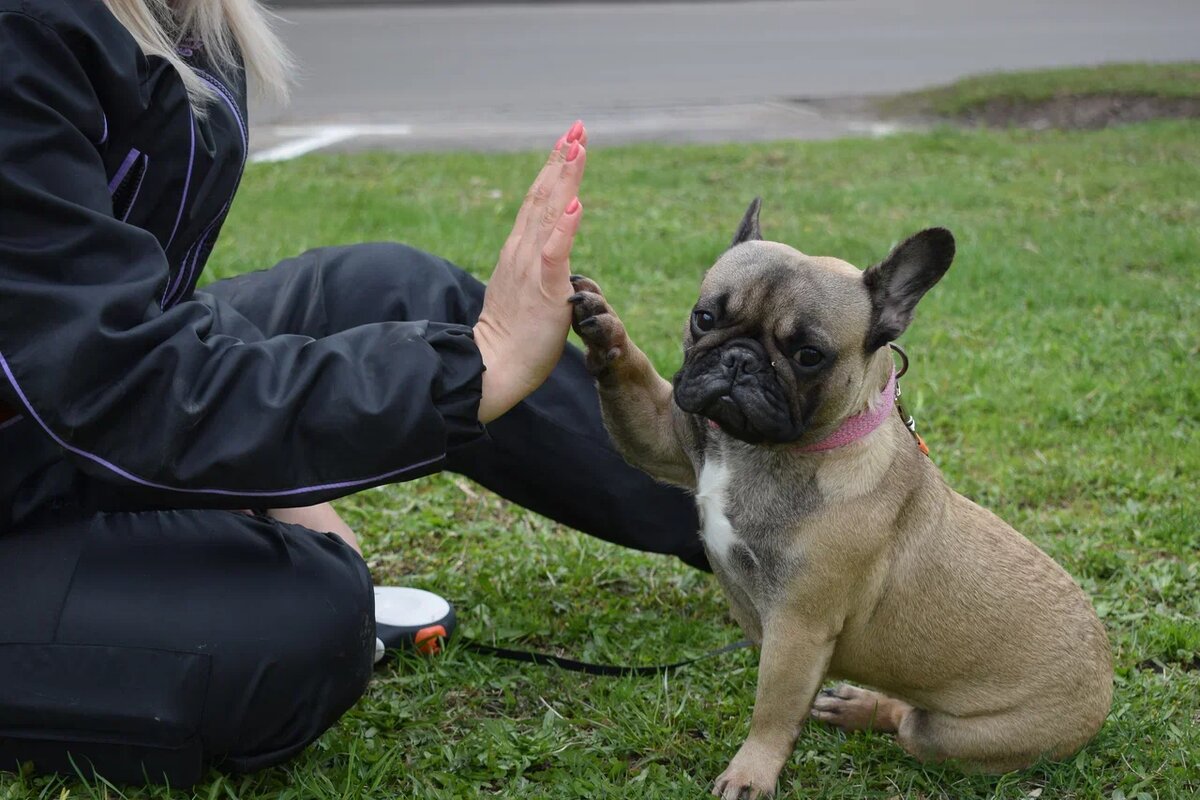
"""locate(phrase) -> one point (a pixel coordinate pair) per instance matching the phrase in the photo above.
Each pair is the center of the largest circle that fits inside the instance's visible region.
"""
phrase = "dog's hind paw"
(854, 709)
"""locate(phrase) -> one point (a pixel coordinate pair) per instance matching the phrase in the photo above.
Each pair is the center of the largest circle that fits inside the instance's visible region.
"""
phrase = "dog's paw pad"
(596, 324)
(586, 306)
(583, 284)
(600, 329)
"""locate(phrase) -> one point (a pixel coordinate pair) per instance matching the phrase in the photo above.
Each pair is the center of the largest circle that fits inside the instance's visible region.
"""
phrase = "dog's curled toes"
(853, 709)
(599, 328)
(752, 774)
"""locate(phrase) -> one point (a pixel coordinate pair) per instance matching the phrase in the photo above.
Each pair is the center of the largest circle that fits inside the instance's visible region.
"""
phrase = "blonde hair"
(227, 28)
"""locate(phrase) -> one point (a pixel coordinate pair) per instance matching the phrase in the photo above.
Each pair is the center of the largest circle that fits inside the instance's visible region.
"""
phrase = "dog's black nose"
(739, 358)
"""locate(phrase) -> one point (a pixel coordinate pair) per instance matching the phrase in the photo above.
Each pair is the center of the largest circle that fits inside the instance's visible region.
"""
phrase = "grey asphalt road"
(508, 76)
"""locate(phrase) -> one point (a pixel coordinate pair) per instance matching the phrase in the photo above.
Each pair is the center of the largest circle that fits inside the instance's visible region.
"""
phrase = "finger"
(556, 253)
(543, 184)
(577, 133)
(539, 191)
(562, 193)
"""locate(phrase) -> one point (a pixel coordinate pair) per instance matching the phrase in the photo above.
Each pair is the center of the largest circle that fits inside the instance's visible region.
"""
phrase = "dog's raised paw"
(600, 329)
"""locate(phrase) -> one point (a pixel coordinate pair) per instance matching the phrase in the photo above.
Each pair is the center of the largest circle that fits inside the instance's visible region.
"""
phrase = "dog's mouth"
(727, 414)
(726, 408)
(737, 396)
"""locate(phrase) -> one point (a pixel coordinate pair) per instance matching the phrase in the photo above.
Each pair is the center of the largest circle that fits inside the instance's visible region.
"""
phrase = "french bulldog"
(842, 550)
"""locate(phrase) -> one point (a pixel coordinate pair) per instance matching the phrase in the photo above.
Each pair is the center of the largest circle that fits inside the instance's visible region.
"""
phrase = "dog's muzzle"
(735, 386)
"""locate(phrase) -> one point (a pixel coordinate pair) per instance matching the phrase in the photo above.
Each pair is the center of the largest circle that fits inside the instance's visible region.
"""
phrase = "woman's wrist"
(510, 373)
(497, 395)
(488, 405)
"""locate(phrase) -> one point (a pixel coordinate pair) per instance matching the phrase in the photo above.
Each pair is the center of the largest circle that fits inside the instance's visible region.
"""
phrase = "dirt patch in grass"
(1070, 98)
(1089, 112)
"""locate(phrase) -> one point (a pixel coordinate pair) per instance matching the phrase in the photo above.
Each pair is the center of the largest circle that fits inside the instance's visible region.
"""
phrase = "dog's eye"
(702, 321)
(809, 356)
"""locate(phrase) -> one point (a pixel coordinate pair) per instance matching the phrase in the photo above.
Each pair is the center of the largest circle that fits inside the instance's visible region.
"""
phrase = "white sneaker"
(407, 617)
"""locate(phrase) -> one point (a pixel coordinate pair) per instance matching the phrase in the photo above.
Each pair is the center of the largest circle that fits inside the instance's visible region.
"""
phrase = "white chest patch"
(716, 528)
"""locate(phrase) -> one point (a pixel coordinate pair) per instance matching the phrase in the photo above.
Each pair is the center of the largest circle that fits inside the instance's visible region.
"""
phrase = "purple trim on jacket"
(187, 181)
(233, 106)
(130, 158)
(137, 189)
(263, 493)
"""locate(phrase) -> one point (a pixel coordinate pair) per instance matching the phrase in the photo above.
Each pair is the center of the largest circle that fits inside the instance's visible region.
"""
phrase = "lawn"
(1054, 376)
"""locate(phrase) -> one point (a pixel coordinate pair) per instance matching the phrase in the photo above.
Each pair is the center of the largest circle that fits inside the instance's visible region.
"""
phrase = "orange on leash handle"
(429, 640)
(412, 619)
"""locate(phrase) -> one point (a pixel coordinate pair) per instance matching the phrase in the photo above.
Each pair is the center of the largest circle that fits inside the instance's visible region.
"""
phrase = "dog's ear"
(902, 279)
(749, 230)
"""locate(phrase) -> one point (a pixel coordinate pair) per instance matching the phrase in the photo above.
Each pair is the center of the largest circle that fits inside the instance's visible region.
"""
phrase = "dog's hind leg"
(991, 743)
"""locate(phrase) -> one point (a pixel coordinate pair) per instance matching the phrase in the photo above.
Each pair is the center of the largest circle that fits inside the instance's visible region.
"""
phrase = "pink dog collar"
(858, 426)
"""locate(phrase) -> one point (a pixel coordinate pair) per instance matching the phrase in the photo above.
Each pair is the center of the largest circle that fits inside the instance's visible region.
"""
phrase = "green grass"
(1172, 80)
(1054, 375)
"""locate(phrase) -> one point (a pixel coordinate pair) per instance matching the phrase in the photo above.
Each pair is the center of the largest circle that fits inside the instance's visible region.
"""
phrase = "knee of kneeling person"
(333, 611)
(316, 658)
(336, 613)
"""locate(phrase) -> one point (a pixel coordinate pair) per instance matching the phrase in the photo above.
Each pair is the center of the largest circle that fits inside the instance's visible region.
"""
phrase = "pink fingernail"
(576, 131)
(561, 141)
(573, 153)
(573, 206)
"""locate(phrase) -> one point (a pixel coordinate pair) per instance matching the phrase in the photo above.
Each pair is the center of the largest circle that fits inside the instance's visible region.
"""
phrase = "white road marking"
(317, 137)
(876, 129)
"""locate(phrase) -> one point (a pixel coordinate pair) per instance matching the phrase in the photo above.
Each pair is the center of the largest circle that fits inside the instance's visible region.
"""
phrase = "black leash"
(545, 659)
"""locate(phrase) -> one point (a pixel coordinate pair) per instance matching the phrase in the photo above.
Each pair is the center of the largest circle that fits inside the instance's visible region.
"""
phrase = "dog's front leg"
(636, 403)
(791, 666)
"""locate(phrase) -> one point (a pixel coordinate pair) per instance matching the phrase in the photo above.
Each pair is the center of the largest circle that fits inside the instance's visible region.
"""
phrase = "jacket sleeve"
(163, 401)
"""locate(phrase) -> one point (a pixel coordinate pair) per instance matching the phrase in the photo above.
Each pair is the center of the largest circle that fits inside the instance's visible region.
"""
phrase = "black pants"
(148, 644)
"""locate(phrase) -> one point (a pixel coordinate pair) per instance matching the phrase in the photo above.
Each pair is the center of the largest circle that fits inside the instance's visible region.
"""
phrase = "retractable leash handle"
(411, 619)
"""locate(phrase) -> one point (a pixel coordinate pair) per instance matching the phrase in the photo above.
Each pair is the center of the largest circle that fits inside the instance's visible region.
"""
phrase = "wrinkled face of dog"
(781, 347)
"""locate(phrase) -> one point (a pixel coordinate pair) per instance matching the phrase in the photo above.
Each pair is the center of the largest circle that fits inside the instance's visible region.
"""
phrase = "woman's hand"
(525, 318)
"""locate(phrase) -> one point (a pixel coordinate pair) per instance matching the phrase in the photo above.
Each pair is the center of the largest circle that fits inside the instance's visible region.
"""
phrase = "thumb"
(556, 254)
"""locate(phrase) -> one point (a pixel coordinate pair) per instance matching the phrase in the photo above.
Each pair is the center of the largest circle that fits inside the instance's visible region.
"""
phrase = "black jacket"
(112, 193)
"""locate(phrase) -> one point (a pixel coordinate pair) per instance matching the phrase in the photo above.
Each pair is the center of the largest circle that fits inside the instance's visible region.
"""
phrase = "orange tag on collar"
(924, 448)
